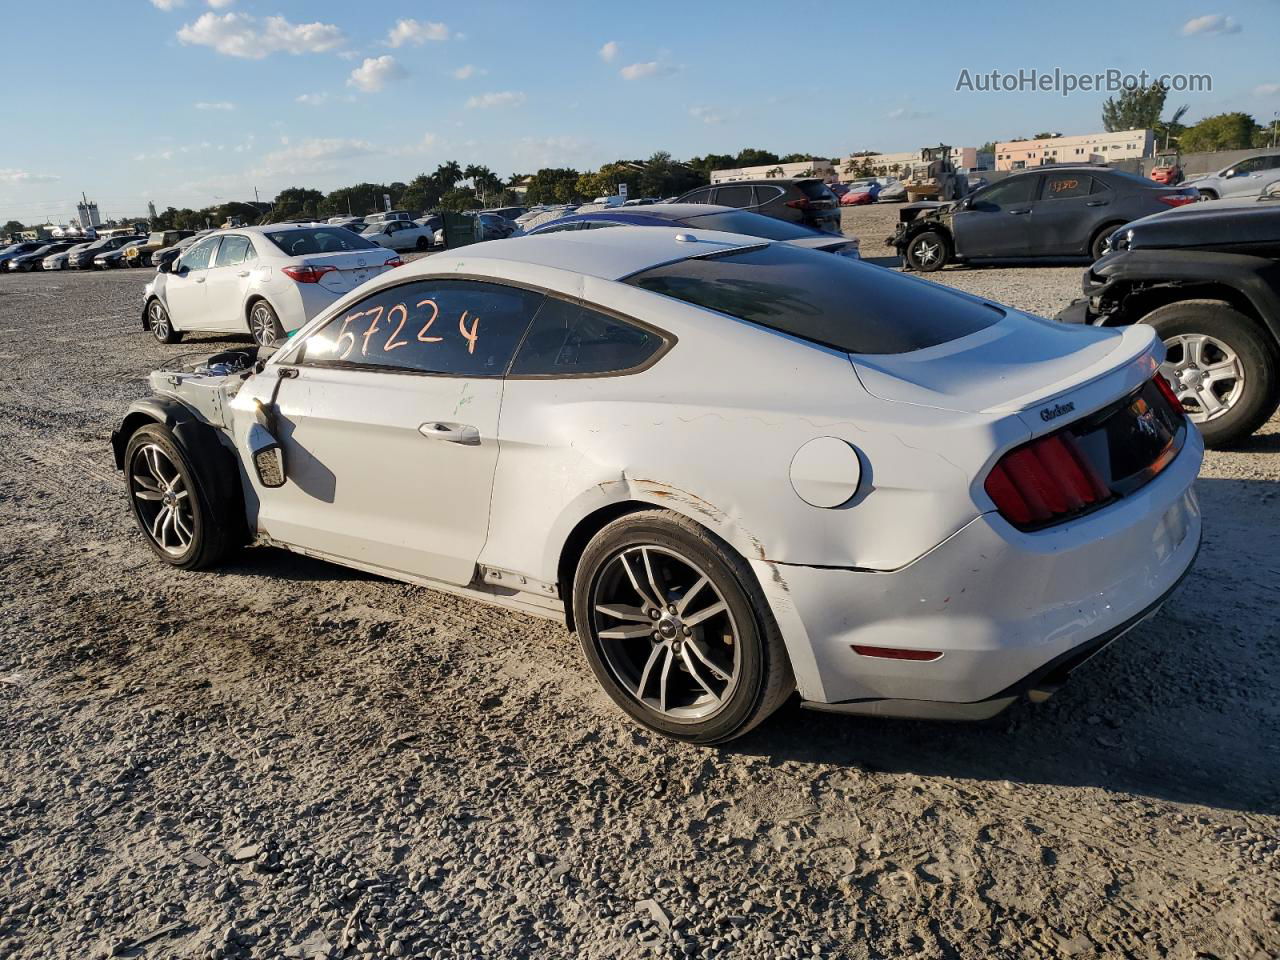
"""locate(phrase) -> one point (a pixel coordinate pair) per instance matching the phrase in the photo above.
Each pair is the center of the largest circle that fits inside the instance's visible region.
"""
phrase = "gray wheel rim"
(1205, 374)
(927, 253)
(162, 500)
(159, 321)
(261, 325)
(666, 633)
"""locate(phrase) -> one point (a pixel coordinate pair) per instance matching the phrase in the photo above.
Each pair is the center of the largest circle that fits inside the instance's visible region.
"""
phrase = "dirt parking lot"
(289, 759)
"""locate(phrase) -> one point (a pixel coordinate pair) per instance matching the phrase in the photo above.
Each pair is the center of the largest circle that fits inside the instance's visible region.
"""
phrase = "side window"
(1012, 191)
(567, 340)
(1066, 186)
(733, 196)
(1252, 165)
(232, 251)
(198, 257)
(698, 196)
(767, 194)
(459, 327)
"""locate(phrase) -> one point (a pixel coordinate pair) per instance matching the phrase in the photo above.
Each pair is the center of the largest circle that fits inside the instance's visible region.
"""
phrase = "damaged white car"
(734, 467)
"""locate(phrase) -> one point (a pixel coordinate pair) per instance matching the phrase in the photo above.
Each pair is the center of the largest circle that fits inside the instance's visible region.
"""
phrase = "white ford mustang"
(736, 468)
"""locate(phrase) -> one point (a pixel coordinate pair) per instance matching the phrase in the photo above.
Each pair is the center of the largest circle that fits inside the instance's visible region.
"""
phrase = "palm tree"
(1174, 122)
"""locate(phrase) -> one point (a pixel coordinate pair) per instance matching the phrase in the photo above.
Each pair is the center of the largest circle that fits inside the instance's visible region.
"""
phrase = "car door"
(184, 287)
(388, 420)
(1070, 207)
(227, 283)
(994, 222)
(733, 195)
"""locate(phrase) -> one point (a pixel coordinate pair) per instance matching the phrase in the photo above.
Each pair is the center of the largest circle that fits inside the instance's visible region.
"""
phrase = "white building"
(1084, 148)
(770, 171)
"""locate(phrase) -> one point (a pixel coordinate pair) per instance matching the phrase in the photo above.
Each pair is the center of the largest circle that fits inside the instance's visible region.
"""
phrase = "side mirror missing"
(164, 266)
(268, 457)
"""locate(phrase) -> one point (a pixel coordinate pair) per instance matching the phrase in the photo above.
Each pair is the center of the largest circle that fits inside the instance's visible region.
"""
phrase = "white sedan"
(265, 281)
(736, 468)
(399, 235)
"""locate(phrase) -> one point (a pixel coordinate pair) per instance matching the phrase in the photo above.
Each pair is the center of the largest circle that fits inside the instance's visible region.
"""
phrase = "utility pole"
(1276, 120)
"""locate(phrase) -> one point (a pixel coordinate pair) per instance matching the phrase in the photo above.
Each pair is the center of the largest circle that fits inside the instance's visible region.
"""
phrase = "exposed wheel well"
(248, 305)
(1141, 300)
(1106, 228)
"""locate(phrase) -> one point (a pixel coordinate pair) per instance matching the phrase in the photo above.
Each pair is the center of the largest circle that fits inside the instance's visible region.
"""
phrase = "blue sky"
(189, 102)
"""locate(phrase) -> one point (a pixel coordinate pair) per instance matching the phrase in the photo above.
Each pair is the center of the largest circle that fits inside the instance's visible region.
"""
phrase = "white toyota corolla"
(734, 467)
(265, 281)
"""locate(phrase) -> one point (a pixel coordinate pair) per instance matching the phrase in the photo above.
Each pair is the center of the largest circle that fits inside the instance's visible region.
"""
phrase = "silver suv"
(1247, 178)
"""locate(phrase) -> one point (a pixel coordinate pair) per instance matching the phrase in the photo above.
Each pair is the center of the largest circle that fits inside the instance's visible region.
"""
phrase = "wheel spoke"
(662, 680)
(635, 583)
(693, 672)
(1193, 350)
(181, 529)
(629, 632)
(146, 494)
(157, 525)
(658, 596)
(621, 611)
(1209, 401)
(648, 669)
(715, 671)
(1228, 369)
(704, 614)
(690, 594)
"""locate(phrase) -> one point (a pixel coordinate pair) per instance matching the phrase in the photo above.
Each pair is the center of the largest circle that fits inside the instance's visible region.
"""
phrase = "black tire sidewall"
(423, 243)
(1262, 380)
(201, 513)
(931, 236)
(658, 531)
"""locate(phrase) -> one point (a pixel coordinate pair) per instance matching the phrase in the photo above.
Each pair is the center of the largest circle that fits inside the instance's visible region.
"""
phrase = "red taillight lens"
(1043, 481)
(1167, 392)
(1177, 199)
(896, 653)
(307, 274)
(801, 204)
(394, 262)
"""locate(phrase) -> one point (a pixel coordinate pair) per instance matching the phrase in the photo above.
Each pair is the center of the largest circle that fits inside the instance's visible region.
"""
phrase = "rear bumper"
(1004, 608)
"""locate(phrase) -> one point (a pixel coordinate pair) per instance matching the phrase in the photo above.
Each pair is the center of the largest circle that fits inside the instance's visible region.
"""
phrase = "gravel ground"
(288, 759)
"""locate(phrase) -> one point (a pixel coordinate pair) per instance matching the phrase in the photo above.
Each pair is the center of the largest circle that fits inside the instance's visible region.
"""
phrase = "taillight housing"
(1167, 391)
(802, 204)
(307, 274)
(1045, 481)
(394, 262)
(1179, 199)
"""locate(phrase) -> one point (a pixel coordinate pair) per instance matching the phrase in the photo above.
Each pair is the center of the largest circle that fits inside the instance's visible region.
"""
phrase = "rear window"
(815, 190)
(302, 243)
(752, 224)
(834, 301)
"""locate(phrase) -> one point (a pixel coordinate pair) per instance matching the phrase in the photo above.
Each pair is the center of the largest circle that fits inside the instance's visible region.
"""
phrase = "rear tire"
(264, 325)
(1221, 365)
(695, 653)
(422, 244)
(160, 323)
(1208, 195)
(928, 251)
(171, 504)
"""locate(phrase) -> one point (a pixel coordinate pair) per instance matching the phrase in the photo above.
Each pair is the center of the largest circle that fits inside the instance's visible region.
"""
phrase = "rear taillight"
(1178, 199)
(307, 274)
(1045, 481)
(1167, 392)
(801, 204)
(394, 262)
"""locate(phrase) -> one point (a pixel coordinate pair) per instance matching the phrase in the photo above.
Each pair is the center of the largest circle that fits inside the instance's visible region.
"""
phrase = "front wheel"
(1206, 195)
(1220, 366)
(927, 252)
(161, 325)
(170, 502)
(1098, 246)
(265, 325)
(676, 629)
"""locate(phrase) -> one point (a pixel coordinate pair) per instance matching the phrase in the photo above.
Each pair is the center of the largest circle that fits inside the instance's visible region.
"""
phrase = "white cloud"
(416, 32)
(239, 35)
(312, 99)
(468, 71)
(221, 4)
(1209, 24)
(215, 105)
(11, 175)
(906, 113)
(166, 5)
(424, 145)
(706, 114)
(375, 73)
(609, 51)
(316, 155)
(504, 98)
(535, 152)
(1266, 89)
(650, 68)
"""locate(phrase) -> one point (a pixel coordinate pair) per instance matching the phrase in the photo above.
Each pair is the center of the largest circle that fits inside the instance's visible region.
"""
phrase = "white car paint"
(399, 235)
(205, 291)
(717, 430)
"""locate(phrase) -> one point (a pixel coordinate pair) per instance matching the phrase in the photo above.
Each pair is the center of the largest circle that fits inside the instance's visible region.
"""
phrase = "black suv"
(1066, 211)
(803, 200)
(1208, 279)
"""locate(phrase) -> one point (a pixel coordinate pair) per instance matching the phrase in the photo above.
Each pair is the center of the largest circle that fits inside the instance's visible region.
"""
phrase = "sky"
(194, 102)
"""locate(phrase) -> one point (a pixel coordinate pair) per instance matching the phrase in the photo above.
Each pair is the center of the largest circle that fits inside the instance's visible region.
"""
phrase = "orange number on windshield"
(435, 312)
(392, 343)
(344, 333)
(373, 326)
(471, 335)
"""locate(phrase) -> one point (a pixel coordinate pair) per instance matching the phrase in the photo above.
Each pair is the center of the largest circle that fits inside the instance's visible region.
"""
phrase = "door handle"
(243, 273)
(1017, 212)
(452, 432)
(1096, 203)
(198, 279)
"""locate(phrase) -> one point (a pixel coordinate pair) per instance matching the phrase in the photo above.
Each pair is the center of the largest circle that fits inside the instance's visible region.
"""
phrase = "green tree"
(360, 199)
(486, 184)
(459, 199)
(712, 161)
(988, 147)
(799, 157)
(1135, 109)
(1047, 135)
(11, 228)
(751, 157)
(1223, 131)
(553, 185)
(1168, 131)
(296, 203)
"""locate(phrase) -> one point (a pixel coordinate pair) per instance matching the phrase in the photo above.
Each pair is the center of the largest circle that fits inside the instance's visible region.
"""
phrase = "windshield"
(835, 301)
(302, 243)
(98, 244)
(752, 224)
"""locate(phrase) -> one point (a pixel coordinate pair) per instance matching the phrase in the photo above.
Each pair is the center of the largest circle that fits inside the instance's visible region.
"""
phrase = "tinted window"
(752, 224)
(733, 196)
(460, 327)
(815, 190)
(1013, 190)
(1249, 166)
(232, 251)
(836, 301)
(198, 257)
(767, 194)
(697, 196)
(567, 339)
(302, 243)
(1066, 186)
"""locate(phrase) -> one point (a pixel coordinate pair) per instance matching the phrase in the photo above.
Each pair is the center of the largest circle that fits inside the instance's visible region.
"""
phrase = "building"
(896, 164)
(87, 213)
(769, 171)
(1085, 148)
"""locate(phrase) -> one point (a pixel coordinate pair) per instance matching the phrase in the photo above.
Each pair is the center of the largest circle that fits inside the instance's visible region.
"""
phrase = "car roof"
(608, 254)
(663, 211)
